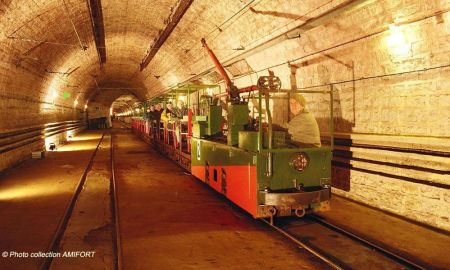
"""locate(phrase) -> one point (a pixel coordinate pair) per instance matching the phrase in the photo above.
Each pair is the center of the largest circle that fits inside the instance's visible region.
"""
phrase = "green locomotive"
(252, 163)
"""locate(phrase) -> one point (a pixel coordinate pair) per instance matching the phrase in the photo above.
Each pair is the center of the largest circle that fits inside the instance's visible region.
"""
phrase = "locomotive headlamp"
(300, 162)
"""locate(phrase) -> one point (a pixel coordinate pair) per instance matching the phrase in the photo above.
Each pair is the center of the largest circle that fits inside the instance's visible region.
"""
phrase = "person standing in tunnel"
(303, 127)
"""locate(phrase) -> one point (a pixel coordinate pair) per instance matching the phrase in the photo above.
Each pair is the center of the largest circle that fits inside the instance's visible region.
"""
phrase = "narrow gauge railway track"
(297, 231)
(302, 244)
(55, 243)
(401, 259)
(115, 211)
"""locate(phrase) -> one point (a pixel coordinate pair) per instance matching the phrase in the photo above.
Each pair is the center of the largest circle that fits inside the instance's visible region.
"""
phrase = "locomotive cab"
(262, 169)
(299, 180)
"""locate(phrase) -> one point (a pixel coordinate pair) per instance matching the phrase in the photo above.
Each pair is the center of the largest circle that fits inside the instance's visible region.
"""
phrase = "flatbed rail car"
(280, 180)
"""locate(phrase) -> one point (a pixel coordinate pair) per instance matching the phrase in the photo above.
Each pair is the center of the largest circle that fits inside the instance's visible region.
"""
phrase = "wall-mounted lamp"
(52, 146)
(397, 42)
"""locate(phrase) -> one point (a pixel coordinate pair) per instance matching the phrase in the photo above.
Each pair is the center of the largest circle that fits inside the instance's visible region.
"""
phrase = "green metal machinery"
(238, 116)
(210, 121)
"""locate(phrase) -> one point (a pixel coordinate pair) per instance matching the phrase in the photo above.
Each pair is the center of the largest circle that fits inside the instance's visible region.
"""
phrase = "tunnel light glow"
(51, 96)
(209, 91)
(83, 142)
(48, 141)
(397, 42)
(173, 79)
(29, 191)
(81, 137)
(69, 135)
(45, 184)
(85, 106)
(80, 146)
(75, 103)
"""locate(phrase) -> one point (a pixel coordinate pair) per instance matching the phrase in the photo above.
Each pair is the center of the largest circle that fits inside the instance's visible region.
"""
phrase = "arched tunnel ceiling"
(45, 40)
(124, 103)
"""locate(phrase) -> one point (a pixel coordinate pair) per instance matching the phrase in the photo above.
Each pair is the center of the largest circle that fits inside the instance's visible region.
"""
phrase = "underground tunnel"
(229, 134)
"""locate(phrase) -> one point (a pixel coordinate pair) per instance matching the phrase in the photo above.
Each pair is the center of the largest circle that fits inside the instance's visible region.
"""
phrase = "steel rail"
(115, 211)
(311, 250)
(379, 249)
(62, 226)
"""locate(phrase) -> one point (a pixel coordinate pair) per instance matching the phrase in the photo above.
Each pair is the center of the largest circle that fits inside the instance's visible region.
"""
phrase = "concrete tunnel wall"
(389, 62)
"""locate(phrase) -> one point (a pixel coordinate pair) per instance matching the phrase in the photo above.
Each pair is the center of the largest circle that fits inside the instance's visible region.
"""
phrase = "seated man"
(150, 113)
(157, 113)
(303, 126)
(167, 114)
(180, 111)
(157, 123)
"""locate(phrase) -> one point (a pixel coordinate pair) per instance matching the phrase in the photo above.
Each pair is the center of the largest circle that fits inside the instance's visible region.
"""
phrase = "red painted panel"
(215, 184)
(240, 184)
(199, 172)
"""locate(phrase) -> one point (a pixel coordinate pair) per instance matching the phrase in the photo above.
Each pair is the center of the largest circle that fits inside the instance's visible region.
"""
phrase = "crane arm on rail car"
(232, 90)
